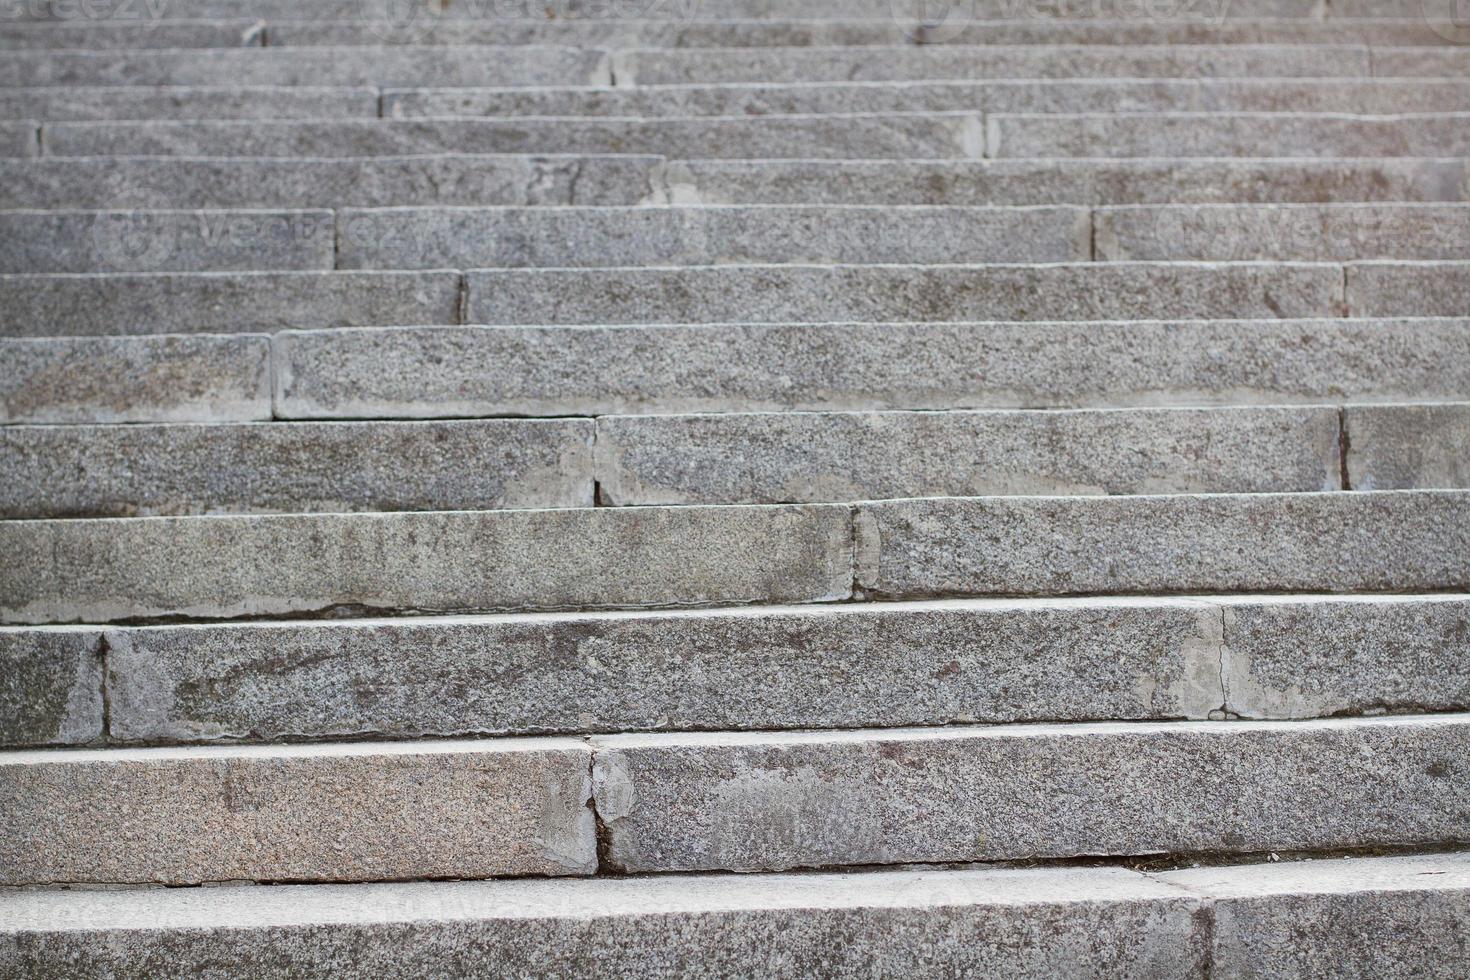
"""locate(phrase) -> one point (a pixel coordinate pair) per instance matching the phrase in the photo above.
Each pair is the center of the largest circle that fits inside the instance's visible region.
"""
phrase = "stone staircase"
(734, 488)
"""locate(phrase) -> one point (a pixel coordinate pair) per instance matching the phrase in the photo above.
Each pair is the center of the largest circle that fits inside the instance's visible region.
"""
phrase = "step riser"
(302, 102)
(88, 35)
(1394, 448)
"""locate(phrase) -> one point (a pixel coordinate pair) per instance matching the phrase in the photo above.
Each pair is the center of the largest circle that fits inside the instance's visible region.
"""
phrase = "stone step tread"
(1341, 914)
(143, 34)
(131, 569)
(867, 665)
(78, 102)
(743, 801)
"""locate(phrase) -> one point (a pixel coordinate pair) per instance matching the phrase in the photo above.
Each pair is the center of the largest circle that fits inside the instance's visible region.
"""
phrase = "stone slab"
(165, 378)
(149, 470)
(354, 812)
(50, 686)
(224, 302)
(100, 35)
(20, 139)
(593, 370)
(1408, 447)
(1348, 542)
(823, 294)
(78, 102)
(217, 567)
(1409, 288)
(767, 802)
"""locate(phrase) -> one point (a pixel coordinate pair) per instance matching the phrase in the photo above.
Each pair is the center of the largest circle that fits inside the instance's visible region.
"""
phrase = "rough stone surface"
(1073, 95)
(874, 665)
(1035, 924)
(156, 241)
(775, 294)
(681, 66)
(799, 457)
(1233, 135)
(1033, 182)
(78, 103)
(1407, 447)
(1379, 917)
(895, 135)
(223, 302)
(135, 379)
(489, 66)
(145, 470)
(106, 570)
(50, 686)
(87, 182)
(1324, 233)
(19, 139)
(407, 238)
(142, 33)
(359, 812)
(378, 373)
(1416, 540)
(1310, 657)
(773, 801)
(1409, 288)
(1450, 62)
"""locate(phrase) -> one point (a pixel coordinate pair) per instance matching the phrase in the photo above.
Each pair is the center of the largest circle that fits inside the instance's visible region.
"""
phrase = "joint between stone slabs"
(1344, 446)
(462, 299)
(104, 649)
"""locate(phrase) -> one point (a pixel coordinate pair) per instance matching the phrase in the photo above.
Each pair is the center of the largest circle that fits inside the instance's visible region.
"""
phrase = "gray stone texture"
(864, 665)
(910, 62)
(93, 34)
(214, 567)
(359, 812)
(20, 139)
(89, 182)
(1292, 232)
(379, 373)
(1408, 447)
(1409, 288)
(1072, 95)
(147, 470)
(157, 241)
(1413, 540)
(1034, 925)
(1307, 657)
(801, 457)
(488, 66)
(880, 135)
(223, 302)
(751, 802)
(135, 379)
(408, 238)
(1066, 181)
(50, 686)
(1228, 135)
(79, 103)
(824, 294)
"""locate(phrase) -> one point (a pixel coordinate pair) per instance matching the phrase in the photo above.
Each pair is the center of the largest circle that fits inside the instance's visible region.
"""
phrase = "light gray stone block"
(355, 812)
(926, 63)
(470, 66)
(1377, 917)
(1410, 288)
(1032, 925)
(775, 294)
(1300, 232)
(1407, 447)
(222, 302)
(876, 665)
(20, 139)
(1074, 95)
(156, 241)
(1036, 182)
(1413, 540)
(75, 102)
(135, 379)
(1439, 61)
(753, 802)
(146, 470)
(1234, 135)
(408, 238)
(141, 34)
(50, 686)
(882, 135)
(213, 567)
(93, 182)
(801, 457)
(1304, 657)
(468, 371)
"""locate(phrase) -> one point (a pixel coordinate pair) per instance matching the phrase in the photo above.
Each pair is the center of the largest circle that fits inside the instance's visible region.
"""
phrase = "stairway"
(715, 488)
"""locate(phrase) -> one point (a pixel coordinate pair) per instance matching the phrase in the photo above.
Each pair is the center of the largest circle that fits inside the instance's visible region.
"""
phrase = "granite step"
(77, 102)
(140, 34)
(1399, 447)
